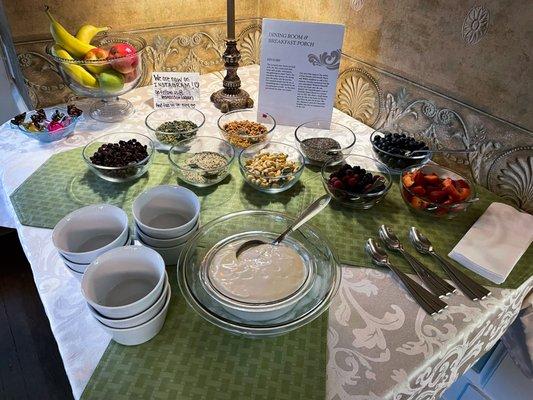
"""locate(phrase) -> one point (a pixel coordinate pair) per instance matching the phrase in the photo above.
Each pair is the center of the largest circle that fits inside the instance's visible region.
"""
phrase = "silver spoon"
(313, 209)
(468, 286)
(434, 282)
(428, 301)
(446, 151)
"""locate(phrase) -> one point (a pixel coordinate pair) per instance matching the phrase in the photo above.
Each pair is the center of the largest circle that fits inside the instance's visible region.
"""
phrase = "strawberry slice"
(464, 193)
(438, 195)
(452, 191)
(461, 183)
(417, 202)
(419, 190)
(432, 179)
(418, 177)
(408, 180)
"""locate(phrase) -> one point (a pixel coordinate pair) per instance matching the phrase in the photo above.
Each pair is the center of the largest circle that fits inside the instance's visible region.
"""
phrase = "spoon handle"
(312, 209)
(434, 282)
(468, 286)
(428, 301)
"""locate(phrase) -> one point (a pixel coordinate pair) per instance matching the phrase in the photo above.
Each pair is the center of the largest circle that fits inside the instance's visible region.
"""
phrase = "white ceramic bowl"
(124, 282)
(80, 268)
(139, 319)
(86, 233)
(141, 333)
(166, 211)
(150, 241)
(77, 275)
(170, 255)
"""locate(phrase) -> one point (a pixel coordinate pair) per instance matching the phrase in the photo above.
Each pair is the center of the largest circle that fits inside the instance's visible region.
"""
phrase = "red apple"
(96, 54)
(122, 57)
(130, 76)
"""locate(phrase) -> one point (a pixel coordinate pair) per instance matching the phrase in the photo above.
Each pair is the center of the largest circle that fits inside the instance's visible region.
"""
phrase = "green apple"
(111, 81)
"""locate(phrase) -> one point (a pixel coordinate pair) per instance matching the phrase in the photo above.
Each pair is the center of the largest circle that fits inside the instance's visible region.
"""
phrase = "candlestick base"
(231, 101)
(231, 97)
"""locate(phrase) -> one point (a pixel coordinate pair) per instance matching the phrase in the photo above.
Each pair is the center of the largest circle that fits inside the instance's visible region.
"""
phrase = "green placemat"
(190, 359)
(63, 184)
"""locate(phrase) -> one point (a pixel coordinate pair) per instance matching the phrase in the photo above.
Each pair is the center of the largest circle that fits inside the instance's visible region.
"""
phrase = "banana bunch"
(78, 47)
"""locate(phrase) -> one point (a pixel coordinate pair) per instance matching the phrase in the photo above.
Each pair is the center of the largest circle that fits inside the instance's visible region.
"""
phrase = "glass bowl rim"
(174, 133)
(269, 131)
(333, 161)
(228, 162)
(330, 122)
(422, 157)
(139, 50)
(256, 330)
(473, 193)
(137, 164)
(300, 156)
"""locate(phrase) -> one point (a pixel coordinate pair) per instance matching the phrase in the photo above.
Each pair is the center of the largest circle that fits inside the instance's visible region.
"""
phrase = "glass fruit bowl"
(324, 275)
(436, 191)
(258, 163)
(321, 140)
(170, 126)
(111, 69)
(392, 157)
(356, 181)
(123, 173)
(202, 161)
(244, 128)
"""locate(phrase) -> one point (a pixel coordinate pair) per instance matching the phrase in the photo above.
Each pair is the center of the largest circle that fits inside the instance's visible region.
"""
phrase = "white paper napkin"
(495, 243)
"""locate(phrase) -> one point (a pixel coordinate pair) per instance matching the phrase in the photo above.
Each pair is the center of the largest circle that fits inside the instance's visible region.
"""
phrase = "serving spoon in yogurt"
(313, 209)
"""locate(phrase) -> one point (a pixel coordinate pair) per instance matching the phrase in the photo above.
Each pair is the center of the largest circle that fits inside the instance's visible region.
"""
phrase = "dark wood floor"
(30, 364)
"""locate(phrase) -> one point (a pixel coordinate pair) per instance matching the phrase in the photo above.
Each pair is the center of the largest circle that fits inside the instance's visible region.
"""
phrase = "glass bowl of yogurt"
(268, 290)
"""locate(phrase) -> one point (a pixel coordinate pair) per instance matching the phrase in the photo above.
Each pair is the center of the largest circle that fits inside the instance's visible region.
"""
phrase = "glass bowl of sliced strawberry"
(356, 181)
(436, 191)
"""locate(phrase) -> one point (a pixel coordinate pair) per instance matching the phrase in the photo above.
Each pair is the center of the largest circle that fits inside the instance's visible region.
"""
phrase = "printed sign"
(299, 70)
(176, 89)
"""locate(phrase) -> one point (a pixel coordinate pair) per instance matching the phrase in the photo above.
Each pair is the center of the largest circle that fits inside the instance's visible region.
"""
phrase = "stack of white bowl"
(128, 293)
(88, 232)
(166, 217)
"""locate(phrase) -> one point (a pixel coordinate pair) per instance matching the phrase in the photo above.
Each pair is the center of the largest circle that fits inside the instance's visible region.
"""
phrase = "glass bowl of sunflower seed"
(202, 161)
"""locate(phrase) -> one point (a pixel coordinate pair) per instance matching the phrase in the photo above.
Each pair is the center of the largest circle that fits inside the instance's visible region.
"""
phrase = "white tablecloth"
(381, 344)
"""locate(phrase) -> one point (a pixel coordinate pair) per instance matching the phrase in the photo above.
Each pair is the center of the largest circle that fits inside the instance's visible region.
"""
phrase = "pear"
(111, 81)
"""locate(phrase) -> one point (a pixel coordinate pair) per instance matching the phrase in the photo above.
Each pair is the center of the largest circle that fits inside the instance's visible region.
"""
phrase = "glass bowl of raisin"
(119, 157)
(48, 126)
(398, 150)
(356, 181)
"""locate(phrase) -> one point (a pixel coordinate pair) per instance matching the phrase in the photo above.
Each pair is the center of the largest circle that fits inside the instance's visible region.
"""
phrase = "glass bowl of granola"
(245, 128)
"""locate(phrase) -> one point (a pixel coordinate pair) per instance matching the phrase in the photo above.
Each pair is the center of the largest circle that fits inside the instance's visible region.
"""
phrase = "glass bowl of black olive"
(399, 151)
(356, 181)
(119, 157)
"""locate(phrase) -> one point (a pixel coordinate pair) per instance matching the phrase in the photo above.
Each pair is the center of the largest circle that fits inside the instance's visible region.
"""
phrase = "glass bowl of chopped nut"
(321, 140)
(202, 161)
(271, 167)
(245, 128)
(172, 125)
(119, 157)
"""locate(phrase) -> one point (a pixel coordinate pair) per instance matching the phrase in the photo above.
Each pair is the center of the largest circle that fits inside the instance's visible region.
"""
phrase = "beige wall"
(422, 40)
(28, 21)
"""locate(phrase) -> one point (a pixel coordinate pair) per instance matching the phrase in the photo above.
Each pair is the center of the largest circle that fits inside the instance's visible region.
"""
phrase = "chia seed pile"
(207, 168)
(171, 132)
(319, 149)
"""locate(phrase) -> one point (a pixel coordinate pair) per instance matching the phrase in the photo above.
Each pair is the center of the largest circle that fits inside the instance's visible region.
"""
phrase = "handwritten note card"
(299, 70)
(176, 89)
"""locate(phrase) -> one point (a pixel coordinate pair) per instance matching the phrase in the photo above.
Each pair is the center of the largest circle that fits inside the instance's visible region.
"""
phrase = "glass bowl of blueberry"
(399, 151)
(57, 125)
(119, 157)
(356, 181)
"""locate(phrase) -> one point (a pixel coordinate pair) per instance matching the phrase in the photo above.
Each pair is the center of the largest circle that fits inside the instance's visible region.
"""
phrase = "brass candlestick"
(232, 97)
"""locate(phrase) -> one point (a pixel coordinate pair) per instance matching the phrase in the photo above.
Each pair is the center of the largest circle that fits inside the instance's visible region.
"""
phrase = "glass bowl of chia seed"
(322, 140)
(170, 126)
(202, 161)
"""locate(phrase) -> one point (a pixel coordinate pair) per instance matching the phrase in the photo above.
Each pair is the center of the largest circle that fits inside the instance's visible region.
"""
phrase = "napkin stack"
(495, 243)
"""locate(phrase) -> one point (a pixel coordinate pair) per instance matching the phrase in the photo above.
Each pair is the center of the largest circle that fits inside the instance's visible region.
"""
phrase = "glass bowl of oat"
(170, 126)
(322, 140)
(202, 161)
(271, 167)
(245, 128)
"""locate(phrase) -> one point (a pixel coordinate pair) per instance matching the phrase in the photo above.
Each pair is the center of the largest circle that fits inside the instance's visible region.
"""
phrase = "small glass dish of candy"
(48, 127)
